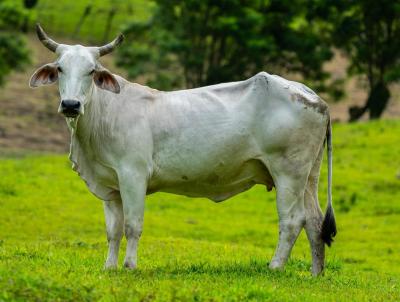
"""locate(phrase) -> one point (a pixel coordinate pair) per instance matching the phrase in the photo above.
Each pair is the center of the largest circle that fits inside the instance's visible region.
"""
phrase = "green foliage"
(53, 243)
(87, 20)
(11, 15)
(369, 32)
(13, 52)
(29, 4)
(194, 43)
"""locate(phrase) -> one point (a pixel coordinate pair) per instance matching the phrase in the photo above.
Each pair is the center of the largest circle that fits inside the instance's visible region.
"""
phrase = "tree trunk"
(378, 100)
(85, 14)
(376, 103)
(110, 17)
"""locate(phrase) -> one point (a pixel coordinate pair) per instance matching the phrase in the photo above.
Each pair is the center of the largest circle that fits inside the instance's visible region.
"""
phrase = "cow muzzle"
(70, 108)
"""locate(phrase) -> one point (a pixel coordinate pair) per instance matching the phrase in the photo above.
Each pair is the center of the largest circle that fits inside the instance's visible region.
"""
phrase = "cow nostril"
(70, 104)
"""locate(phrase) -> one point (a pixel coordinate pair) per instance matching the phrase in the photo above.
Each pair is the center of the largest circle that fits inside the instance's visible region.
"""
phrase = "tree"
(193, 43)
(369, 33)
(29, 5)
(13, 53)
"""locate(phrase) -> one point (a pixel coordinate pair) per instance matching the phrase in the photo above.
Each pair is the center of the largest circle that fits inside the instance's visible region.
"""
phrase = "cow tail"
(328, 230)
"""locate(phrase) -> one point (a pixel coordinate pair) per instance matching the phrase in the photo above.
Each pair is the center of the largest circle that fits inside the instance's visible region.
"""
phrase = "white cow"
(129, 140)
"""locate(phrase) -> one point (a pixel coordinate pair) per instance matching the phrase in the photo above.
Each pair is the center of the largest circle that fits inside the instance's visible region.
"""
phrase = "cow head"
(77, 69)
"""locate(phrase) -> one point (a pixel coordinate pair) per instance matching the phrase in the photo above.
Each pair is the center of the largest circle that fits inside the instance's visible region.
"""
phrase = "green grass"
(62, 16)
(53, 244)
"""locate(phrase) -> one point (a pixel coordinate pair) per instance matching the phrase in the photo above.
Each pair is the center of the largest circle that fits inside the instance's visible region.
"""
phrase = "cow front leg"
(133, 192)
(115, 226)
(290, 204)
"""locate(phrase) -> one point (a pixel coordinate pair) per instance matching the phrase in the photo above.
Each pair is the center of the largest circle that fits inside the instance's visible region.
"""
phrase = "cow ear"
(105, 80)
(45, 75)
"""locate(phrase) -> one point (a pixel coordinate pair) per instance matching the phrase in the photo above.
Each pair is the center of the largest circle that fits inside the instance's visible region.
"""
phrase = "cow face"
(77, 70)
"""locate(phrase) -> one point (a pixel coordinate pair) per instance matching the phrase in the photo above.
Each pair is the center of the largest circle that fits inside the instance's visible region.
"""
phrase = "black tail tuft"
(328, 226)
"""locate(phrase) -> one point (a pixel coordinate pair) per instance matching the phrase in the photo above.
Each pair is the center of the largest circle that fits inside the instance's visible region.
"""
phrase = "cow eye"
(59, 69)
(90, 73)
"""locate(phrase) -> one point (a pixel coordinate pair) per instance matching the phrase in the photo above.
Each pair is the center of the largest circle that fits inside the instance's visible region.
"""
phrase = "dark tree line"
(190, 43)
(368, 32)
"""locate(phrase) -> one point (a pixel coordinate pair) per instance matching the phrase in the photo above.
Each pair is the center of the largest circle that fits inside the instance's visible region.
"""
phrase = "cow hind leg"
(114, 225)
(314, 217)
(290, 181)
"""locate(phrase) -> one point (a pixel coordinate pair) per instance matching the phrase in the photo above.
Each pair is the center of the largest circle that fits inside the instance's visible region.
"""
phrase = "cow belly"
(216, 185)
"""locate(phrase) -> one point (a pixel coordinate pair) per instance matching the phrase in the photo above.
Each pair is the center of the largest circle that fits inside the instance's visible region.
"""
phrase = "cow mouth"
(70, 113)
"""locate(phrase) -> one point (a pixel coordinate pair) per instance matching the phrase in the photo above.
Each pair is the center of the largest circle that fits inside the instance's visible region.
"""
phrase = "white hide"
(209, 142)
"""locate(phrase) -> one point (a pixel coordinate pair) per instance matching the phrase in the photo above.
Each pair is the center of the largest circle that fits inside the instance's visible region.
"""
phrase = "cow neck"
(86, 132)
(87, 127)
(83, 149)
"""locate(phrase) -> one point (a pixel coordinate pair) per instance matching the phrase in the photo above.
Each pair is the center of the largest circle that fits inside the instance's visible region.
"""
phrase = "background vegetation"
(368, 32)
(189, 43)
(208, 42)
(13, 52)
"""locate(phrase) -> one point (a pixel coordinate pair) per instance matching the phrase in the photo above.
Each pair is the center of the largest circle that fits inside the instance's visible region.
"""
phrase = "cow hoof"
(275, 266)
(317, 273)
(130, 265)
(110, 266)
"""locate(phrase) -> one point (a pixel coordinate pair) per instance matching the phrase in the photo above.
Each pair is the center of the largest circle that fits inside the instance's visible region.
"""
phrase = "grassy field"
(62, 17)
(53, 244)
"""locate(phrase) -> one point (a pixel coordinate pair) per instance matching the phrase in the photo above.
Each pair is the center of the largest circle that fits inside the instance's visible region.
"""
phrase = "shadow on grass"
(253, 269)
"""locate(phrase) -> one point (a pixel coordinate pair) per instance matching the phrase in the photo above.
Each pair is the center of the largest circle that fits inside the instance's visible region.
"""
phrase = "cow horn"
(49, 43)
(106, 49)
